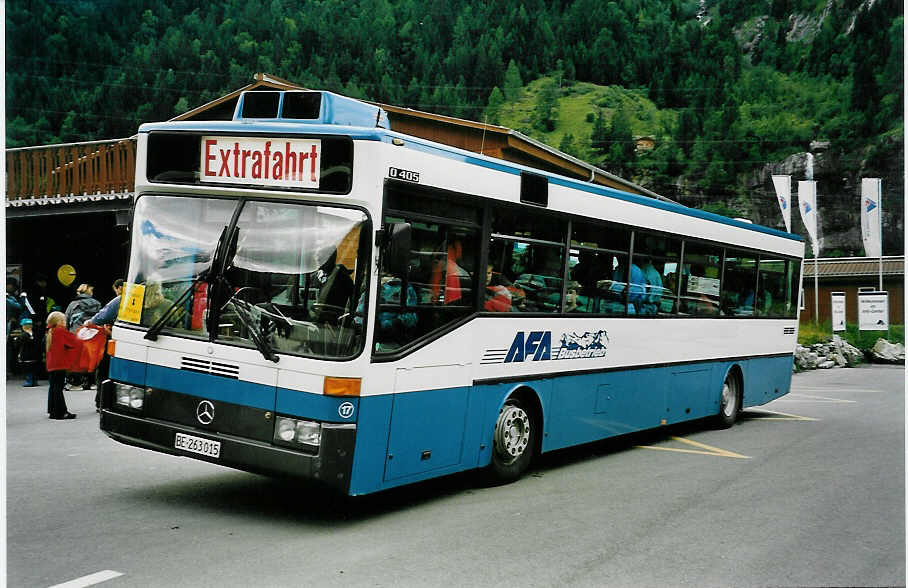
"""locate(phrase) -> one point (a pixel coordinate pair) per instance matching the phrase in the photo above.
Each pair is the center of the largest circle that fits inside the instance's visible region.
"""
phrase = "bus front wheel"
(513, 442)
(730, 401)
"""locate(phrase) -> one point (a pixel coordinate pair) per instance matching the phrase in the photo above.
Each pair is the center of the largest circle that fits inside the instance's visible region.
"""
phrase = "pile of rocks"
(840, 353)
(836, 353)
(885, 352)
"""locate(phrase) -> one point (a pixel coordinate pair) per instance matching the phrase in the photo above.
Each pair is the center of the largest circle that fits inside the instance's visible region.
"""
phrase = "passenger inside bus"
(653, 293)
(395, 325)
(498, 297)
(637, 289)
(456, 286)
(154, 304)
(334, 295)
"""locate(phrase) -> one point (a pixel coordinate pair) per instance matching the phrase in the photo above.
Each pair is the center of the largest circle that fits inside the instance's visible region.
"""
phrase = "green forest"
(723, 86)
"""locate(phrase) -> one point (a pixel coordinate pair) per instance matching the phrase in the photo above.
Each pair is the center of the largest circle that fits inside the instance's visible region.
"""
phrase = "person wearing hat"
(29, 353)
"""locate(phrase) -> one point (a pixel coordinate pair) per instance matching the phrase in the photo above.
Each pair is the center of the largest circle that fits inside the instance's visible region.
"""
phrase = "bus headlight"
(294, 432)
(130, 396)
(286, 430)
(308, 433)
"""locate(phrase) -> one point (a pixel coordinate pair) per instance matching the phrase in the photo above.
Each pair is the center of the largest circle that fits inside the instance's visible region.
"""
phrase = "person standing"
(105, 317)
(30, 353)
(62, 352)
(81, 308)
(14, 313)
(78, 310)
(37, 304)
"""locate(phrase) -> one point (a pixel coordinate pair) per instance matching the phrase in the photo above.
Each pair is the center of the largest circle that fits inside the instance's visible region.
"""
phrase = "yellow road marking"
(783, 416)
(704, 449)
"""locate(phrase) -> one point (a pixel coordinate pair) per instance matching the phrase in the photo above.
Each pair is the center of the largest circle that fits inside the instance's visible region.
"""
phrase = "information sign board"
(873, 311)
(838, 311)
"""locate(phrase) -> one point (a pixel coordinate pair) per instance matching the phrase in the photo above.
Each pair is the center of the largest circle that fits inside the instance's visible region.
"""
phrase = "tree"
(545, 115)
(569, 146)
(621, 149)
(493, 110)
(599, 137)
(512, 82)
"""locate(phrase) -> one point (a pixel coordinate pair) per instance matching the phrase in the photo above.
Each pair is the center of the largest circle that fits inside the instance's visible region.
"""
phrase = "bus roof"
(341, 116)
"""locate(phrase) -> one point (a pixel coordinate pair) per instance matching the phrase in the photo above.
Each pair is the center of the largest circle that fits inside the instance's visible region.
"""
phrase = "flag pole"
(816, 290)
(879, 199)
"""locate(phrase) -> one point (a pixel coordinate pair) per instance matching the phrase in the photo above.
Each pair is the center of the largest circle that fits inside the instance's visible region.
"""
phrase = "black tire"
(513, 442)
(729, 402)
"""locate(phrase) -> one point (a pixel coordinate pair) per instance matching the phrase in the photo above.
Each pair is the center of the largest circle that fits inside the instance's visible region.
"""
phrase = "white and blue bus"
(312, 294)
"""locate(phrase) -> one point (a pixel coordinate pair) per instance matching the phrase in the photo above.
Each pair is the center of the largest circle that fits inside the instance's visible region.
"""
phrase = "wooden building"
(849, 275)
(70, 204)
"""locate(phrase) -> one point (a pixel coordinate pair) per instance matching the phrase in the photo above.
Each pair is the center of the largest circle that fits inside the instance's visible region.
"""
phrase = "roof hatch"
(307, 107)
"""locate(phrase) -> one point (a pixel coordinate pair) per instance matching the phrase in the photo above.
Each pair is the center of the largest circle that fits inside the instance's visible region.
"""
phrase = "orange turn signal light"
(111, 347)
(342, 386)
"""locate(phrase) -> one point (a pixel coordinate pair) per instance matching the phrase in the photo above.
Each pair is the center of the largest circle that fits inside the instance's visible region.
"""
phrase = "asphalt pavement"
(806, 491)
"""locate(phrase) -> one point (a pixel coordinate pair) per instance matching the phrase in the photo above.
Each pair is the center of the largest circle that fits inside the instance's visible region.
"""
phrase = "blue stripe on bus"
(282, 400)
(127, 371)
(315, 406)
(408, 437)
(377, 134)
(212, 387)
(465, 157)
(413, 436)
(265, 128)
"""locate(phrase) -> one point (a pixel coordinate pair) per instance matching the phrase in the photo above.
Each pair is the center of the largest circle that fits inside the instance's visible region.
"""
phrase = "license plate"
(198, 445)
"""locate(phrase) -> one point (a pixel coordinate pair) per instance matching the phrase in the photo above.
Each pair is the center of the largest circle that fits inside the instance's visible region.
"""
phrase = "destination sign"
(291, 163)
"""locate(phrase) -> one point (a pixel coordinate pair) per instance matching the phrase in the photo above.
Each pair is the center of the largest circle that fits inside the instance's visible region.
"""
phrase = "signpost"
(873, 311)
(838, 311)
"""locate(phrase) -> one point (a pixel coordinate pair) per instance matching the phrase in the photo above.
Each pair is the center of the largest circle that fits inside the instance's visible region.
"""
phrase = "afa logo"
(535, 346)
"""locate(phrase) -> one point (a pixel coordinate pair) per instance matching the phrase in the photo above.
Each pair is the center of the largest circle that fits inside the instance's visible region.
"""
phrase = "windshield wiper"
(258, 338)
(220, 259)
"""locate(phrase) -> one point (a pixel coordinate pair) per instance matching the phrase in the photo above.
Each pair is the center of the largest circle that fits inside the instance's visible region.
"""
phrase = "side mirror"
(398, 250)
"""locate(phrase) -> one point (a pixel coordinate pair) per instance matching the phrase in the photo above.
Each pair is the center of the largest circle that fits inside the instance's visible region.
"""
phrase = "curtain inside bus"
(291, 277)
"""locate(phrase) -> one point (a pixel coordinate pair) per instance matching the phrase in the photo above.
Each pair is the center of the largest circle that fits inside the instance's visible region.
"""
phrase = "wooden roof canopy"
(494, 141)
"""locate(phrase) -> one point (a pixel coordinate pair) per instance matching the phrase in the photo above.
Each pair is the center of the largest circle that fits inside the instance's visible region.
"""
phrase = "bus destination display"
(261, 161)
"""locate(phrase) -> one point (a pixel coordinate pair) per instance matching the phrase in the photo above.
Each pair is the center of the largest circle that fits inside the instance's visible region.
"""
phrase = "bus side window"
(700, 279)
(438, 281)
(771, 283)
(657, 257)
(738, 292)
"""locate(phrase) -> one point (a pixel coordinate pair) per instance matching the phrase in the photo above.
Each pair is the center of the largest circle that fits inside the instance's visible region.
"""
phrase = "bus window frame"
(367, 257)
(200, 184)
(486, 208)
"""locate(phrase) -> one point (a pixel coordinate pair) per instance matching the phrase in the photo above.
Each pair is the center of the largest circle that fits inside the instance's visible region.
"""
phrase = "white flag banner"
(783, 194)
(807, 204)
(871, 209)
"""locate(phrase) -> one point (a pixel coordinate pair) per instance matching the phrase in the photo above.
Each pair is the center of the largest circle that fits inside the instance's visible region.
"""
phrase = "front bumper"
(330, 466)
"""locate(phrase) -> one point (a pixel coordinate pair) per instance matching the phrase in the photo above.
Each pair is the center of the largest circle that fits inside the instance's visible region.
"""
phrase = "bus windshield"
(280, 277)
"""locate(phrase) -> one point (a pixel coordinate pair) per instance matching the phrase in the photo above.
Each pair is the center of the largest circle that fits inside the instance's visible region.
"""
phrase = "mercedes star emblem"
(205, 412)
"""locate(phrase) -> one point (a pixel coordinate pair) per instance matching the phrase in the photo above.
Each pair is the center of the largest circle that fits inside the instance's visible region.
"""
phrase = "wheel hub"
(512, 432)
(729, 399)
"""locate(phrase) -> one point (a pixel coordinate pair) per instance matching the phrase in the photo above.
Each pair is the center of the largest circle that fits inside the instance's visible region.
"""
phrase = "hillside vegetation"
(723, 87)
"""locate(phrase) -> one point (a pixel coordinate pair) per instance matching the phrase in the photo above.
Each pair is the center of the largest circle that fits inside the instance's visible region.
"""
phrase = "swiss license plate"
(197, 445)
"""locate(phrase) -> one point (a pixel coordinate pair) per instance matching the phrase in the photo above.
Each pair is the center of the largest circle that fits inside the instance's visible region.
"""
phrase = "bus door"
(428, 419)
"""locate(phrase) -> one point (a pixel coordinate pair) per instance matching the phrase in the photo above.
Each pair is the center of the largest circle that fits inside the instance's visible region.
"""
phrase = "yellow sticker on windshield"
(131, 303)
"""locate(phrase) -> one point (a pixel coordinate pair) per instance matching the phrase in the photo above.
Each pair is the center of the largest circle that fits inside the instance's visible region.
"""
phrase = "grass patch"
(576, 102)
(810, 333)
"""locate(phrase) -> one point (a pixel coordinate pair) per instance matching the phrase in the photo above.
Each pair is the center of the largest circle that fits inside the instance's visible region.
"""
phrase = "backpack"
(84, 310)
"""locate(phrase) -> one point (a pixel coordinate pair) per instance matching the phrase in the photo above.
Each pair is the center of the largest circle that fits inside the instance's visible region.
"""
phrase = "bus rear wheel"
(730, 402)
(513, 442)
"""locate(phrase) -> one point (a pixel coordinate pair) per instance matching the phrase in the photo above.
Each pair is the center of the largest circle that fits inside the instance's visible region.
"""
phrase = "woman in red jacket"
(63, 349)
